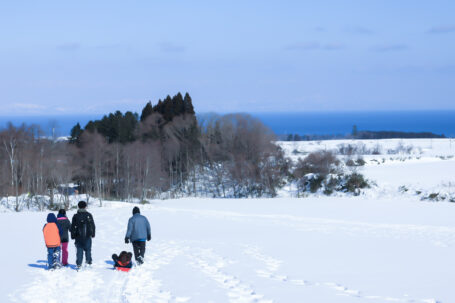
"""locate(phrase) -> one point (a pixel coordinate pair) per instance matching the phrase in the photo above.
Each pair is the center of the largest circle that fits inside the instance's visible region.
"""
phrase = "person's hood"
(51, 218)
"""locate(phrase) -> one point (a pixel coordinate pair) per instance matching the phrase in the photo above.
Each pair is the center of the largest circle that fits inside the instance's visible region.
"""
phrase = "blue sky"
(87, 57)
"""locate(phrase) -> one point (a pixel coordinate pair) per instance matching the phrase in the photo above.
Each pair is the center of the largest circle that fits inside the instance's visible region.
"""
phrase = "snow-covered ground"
(326, 249)
(415, 167)
(386, 245)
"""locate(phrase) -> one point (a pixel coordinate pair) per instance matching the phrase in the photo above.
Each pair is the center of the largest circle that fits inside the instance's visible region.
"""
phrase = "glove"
(72, 237)
(149, 238)
(127, 240)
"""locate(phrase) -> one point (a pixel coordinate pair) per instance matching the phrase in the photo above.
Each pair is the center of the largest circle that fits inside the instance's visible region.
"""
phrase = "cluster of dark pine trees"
(125, 156)
(166, 150)
(122, 128)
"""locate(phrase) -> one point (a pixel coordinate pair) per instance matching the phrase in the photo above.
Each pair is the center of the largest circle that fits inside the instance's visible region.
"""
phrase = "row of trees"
(163, 151)
(32, 164)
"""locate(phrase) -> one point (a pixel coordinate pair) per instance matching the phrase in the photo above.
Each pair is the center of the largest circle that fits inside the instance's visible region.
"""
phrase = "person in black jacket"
(63, 225)
(83, 230)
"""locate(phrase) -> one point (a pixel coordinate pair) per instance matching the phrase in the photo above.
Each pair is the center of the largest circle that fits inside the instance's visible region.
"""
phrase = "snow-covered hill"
(386, 245)
(327, 249)
(413, 167)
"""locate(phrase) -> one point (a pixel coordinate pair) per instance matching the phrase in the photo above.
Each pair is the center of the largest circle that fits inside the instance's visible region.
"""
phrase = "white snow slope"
(428, 168)
(326, 249)
(383, 246)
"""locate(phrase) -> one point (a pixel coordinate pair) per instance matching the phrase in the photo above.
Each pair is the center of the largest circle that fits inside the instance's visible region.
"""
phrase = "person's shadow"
(109, 262)
(42, 264)
(39, 264)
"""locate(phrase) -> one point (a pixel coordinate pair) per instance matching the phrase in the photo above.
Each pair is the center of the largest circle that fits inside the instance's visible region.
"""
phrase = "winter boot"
(140, 260)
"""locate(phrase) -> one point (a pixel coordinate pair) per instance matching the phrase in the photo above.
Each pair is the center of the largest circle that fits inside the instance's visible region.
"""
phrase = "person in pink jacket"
(64, 226)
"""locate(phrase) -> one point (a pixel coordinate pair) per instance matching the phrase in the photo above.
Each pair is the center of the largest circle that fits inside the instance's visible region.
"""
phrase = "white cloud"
(27, 106)
(22, 108)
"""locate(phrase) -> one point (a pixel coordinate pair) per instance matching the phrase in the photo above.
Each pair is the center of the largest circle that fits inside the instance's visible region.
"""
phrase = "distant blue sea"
(317, 123)
(324, 123)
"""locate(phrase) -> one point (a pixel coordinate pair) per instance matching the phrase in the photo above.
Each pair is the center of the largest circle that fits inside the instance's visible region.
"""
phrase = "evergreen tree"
(127, 128)
(159, 107)
(179, 104)
(76, 133)
(91, 126)
(147, 111)
(189, 109)
(108, 127)
(168, 111)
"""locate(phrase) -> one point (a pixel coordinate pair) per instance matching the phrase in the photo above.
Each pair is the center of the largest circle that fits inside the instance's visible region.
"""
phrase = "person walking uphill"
(52, 239)
(64, 225)
(83, 230)
(138, 231)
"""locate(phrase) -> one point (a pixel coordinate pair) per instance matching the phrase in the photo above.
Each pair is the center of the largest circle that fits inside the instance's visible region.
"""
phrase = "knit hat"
(136, 210)
(51, 218)
(82, 204)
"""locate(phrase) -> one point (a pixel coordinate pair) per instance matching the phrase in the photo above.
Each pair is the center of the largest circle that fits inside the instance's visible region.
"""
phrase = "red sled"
(123, 266)
(126, 269)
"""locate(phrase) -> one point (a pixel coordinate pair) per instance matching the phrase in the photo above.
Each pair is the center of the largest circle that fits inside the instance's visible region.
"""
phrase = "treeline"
(364, 134)
(163, 151)
(297, 137)
(34, 165)
(396, 135)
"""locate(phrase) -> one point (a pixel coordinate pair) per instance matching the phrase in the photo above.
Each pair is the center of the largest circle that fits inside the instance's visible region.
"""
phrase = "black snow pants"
(139, 251)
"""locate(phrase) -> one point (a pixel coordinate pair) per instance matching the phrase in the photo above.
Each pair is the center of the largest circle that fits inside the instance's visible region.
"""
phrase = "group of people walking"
(82, 229)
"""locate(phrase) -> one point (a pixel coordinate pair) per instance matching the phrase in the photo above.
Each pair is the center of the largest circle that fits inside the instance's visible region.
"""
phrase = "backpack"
(84, 227)
(51, 235)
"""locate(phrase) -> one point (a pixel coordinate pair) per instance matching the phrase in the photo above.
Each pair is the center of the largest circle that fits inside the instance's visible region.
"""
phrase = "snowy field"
(413, 167)
(386, 245)
(260, 250)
